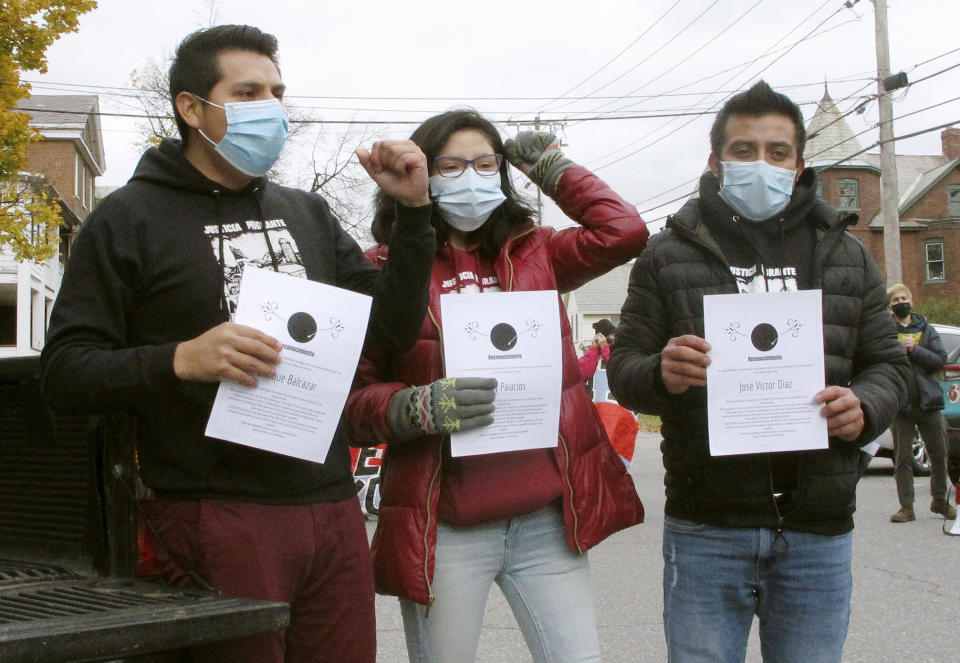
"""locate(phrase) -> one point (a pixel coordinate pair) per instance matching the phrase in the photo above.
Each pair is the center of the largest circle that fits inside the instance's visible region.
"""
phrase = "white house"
(65, 163)
(600, 298)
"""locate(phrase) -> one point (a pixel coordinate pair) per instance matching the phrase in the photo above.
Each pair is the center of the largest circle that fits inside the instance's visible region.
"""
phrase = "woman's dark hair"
(196, 66)
(431, 136)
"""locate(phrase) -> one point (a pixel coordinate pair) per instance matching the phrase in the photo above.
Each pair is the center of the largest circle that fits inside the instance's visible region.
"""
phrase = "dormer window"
(953, 200)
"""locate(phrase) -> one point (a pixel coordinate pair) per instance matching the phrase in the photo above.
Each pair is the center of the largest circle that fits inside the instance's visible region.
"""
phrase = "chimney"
(951, 143)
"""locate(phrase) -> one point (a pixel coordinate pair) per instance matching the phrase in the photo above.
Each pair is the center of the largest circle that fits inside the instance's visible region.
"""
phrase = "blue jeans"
(715, 579)
(547, 586)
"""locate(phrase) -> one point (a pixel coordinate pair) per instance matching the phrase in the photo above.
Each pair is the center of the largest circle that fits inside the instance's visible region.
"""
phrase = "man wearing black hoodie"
(757, 534)
(142, 324)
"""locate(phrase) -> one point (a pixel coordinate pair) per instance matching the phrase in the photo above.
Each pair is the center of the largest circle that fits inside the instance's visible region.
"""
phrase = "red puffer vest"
(599, 497)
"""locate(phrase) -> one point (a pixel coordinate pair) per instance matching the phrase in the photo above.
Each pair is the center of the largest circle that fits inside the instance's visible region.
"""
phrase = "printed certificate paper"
(515, 338)
(321, 328)
(766, 366)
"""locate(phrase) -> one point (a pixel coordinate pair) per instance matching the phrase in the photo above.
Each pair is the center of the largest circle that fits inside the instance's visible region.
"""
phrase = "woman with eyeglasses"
(449, 527)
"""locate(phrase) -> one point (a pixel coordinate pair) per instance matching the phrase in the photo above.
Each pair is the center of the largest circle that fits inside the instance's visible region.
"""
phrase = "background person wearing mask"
(599, 350)
(451, 527)
(763, 534)
(921, 410)
(142, 324)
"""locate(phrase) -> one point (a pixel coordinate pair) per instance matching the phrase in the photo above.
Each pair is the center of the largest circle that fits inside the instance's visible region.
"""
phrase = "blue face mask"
(256, 132)
(468, 200)
(755, 189)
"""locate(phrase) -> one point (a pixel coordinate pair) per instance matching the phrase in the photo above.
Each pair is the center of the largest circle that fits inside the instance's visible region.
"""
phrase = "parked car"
(951, 413)
(950, 383)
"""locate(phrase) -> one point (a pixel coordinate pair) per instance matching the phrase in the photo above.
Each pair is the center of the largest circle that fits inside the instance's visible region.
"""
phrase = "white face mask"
(468, 200)
(755, 189)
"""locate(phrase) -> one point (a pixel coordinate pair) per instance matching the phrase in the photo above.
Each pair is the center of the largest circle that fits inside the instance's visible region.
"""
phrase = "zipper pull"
(780, 543)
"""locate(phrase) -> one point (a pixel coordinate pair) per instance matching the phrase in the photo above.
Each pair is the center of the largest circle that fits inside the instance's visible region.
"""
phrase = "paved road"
(906, 604)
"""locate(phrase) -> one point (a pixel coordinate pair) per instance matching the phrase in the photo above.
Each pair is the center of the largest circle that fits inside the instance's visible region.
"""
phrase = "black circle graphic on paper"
(302, 327)
(764, 337)
(503, 336)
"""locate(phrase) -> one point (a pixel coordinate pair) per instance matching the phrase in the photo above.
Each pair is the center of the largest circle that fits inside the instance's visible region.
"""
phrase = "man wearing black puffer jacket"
(757, 534)
(921, 409)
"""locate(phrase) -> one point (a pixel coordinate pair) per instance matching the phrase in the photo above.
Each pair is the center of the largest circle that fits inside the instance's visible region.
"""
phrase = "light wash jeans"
(715, 579)
(547, 586)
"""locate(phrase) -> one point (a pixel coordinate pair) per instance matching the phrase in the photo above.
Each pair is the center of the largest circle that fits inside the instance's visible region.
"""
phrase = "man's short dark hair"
(758, 100)
(604, 327)
(196, 67)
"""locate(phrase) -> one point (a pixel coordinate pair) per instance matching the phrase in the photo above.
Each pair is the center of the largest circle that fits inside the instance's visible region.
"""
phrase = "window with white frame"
(76, 175)
(953, 200)
(936, 268)
(848, 194)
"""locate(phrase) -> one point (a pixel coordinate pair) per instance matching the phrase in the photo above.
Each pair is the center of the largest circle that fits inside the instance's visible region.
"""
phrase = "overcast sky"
(566, 59)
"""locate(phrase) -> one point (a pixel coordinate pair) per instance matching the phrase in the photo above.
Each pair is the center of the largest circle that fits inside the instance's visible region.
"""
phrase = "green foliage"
(28, 27)
(943, 311)
(648, 423)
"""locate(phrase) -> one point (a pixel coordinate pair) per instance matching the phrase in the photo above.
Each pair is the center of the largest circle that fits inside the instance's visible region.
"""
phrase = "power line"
(742, 66)
(655, 52)
(801, 40)
(875, 126)
(138, 92)
(828, 167)
(612, 60)
(892, 140)
(691, 54)
(154, 116)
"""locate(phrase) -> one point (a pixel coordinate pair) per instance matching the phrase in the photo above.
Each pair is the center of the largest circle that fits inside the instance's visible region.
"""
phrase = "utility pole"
(555, 129)
(539, 194)
(889, 210)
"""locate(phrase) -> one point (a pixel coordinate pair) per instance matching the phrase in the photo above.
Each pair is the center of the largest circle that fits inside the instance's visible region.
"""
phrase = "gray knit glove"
(538, 155)
(443, 406)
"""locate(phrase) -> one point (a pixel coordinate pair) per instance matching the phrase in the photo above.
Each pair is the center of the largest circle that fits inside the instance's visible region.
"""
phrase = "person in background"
(620, 424)
(142, 324)
(763, 534)
(450, 527)
(599, 350)
(921, 410)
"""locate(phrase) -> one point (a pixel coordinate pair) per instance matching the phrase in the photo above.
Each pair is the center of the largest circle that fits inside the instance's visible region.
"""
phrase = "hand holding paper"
(843, 412)
(683, 363)
(296, 409)
(228, 352)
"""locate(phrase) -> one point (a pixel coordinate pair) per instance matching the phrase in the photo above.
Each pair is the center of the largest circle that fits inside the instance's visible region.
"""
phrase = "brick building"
(928, 195)
(66, 164)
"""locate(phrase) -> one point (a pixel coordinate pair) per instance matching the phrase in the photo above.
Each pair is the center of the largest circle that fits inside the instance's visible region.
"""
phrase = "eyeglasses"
(485, 164)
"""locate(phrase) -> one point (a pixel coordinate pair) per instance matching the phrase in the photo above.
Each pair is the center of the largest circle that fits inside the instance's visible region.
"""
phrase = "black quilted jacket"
(665, 299)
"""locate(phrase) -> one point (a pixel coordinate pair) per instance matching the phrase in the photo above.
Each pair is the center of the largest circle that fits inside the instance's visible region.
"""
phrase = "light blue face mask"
(755, 189)
(468, 200)
(256, 132)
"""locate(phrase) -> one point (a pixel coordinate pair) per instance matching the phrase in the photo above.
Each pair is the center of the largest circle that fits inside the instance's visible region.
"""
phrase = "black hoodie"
(154, 265)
